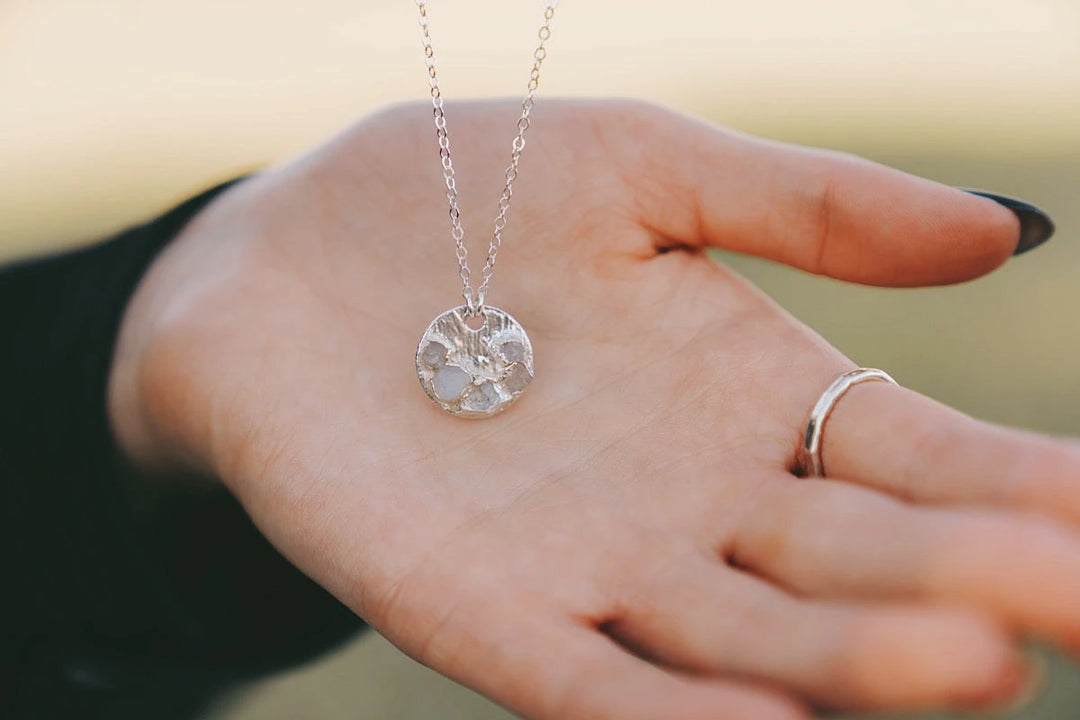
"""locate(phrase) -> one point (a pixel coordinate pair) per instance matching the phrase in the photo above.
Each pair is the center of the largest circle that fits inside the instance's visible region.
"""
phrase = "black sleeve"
(104, 570)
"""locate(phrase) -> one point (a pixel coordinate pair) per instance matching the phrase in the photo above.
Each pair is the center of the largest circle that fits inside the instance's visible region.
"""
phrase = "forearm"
(98, 552)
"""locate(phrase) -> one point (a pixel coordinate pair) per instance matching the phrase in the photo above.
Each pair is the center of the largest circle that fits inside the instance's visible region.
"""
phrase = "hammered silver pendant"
(474, 373)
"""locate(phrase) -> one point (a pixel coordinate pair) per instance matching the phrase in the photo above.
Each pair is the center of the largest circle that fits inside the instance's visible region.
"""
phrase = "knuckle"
(982, 541)
(982, 537)
(820, 208)
(1045, 472)
(845, 661)
(768, 544)
(824, 206)
(932, 447)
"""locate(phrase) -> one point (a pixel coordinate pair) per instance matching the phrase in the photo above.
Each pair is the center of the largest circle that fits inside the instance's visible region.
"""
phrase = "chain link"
(474, 298)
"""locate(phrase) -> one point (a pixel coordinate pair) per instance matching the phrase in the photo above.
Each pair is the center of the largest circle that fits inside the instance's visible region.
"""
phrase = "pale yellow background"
(112, 109)
(110, 106)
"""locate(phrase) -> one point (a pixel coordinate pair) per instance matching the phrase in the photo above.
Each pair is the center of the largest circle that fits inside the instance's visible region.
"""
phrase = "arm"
(98, 554)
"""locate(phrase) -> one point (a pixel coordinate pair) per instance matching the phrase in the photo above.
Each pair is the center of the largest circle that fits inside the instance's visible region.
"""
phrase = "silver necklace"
(477, 372)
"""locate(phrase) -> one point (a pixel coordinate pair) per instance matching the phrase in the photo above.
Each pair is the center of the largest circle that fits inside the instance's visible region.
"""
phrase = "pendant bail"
(474, 305)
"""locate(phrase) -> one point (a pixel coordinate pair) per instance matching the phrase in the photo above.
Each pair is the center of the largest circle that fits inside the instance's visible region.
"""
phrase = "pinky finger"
(574, 671)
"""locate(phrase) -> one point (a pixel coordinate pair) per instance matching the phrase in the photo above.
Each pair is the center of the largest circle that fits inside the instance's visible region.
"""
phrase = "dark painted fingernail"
(1036, 227)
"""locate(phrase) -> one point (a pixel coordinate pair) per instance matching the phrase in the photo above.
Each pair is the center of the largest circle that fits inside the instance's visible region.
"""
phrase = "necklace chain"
(474, 298)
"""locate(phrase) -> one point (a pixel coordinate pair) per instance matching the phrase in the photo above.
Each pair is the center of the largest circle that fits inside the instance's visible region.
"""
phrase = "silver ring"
(810, 450)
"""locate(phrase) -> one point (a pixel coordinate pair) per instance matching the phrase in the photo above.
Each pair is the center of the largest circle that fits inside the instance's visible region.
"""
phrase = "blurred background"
(115, 109)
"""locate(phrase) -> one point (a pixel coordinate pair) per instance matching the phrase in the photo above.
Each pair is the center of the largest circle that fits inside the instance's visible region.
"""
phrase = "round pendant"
(474, 373)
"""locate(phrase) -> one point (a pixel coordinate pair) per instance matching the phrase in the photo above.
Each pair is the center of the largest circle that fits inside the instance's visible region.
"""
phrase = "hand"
(628, 541)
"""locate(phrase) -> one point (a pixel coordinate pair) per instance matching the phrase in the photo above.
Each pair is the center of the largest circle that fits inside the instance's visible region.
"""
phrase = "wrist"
(137, 380)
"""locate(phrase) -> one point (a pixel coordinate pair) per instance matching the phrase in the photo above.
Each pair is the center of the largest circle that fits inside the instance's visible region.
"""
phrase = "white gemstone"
(434, 354)
(482, 397)
(517, 378)
(513, 351)
(449, 381)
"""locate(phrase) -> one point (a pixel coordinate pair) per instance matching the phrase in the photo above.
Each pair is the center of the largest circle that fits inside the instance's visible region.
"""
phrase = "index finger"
(824, 212)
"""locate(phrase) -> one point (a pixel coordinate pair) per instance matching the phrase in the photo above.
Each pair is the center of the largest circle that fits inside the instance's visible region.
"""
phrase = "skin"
(629, 540)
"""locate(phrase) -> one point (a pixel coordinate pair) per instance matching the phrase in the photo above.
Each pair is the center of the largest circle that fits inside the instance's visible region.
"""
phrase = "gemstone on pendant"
(474, 372)
(516, 378)
(449, 382)
(513, 351)
(433, 354)
(481, 398)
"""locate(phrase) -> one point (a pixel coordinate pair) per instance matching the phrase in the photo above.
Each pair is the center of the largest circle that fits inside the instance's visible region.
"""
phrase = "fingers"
(832, 539)
(709, 618)
(554, 670)
(824, 212)
(899, 441)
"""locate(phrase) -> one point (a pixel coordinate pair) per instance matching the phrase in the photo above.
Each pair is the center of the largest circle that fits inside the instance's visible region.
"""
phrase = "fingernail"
(1036, 226)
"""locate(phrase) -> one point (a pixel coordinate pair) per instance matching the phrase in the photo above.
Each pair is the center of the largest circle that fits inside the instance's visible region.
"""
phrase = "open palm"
(630, 539)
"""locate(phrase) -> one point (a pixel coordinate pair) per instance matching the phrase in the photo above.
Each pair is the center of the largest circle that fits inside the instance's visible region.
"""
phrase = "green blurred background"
(115, 109)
